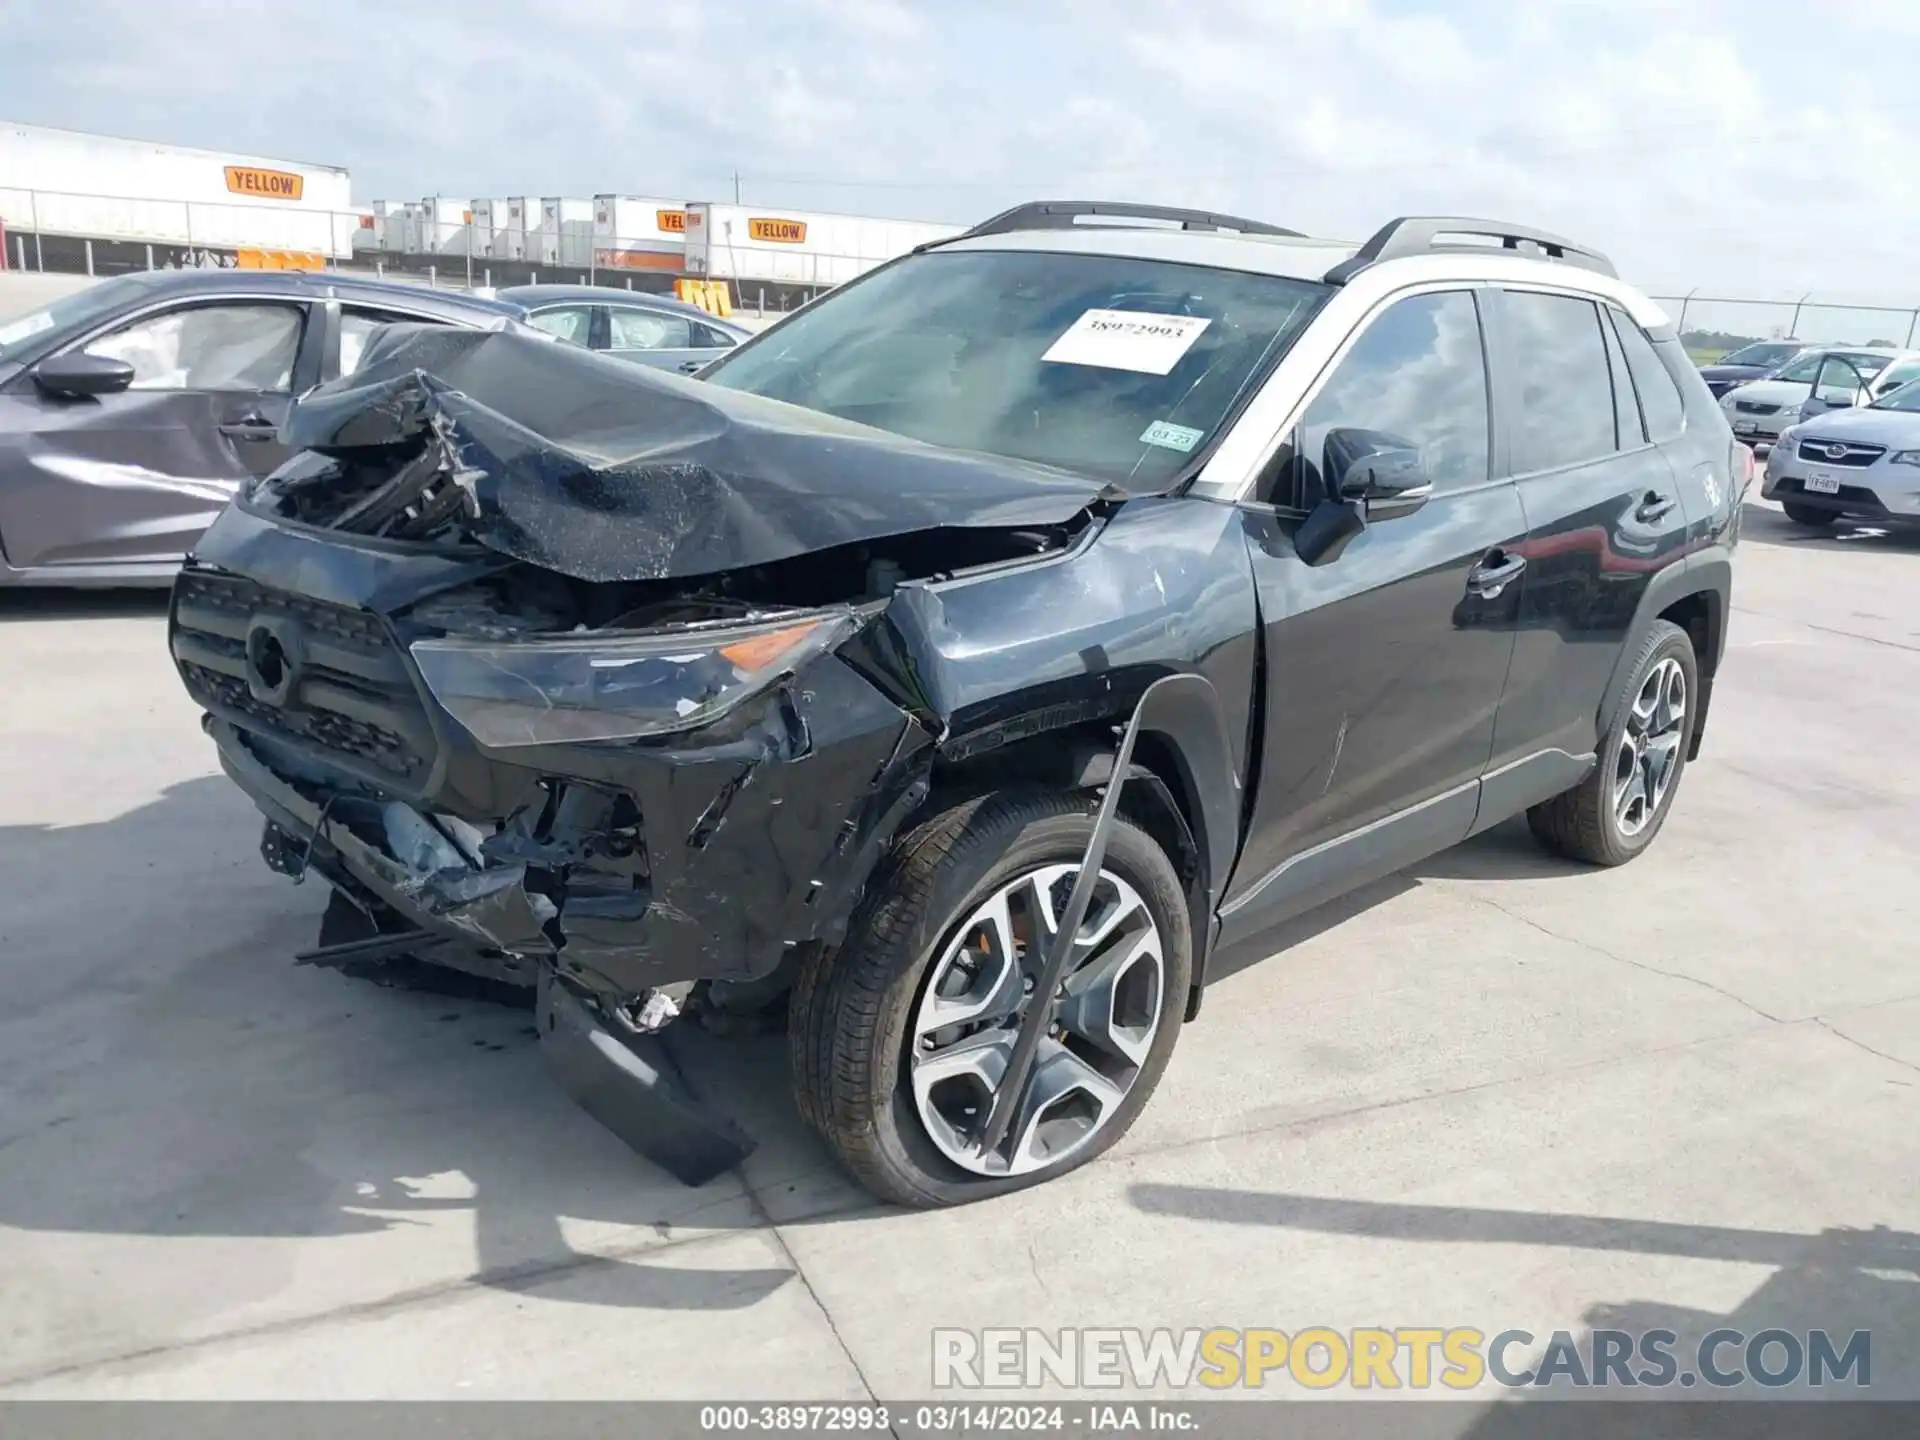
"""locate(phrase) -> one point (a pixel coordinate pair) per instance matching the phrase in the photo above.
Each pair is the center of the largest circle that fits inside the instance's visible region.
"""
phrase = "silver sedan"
(633, 325)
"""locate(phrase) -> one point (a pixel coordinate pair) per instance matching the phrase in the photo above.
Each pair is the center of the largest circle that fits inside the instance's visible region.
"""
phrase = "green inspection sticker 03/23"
(1171, 437)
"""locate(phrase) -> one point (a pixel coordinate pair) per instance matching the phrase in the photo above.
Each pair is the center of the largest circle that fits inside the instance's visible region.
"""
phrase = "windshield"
(1115, 367)
(69, 310)
(1906, 398)
(1767, 354)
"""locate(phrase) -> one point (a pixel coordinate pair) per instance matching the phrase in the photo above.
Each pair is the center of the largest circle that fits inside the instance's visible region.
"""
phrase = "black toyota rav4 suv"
(957, 666)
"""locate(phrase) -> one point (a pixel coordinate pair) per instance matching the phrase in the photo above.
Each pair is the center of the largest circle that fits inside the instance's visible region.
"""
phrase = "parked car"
(1749, 362)
(132, 410)
(972, 657)
(1858, 463)
(652, 329)
(1842, 382)
(1759, 410)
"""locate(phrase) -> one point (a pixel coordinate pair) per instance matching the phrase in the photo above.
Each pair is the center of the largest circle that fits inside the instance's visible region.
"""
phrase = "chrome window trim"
(1245, 452)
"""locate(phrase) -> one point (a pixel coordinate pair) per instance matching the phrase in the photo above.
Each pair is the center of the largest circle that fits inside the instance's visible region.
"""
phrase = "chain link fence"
(76, 234)
(1711, 323)
(81, 234)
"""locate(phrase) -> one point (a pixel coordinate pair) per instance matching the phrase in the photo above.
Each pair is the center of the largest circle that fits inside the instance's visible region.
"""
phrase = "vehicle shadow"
(167, 1071)
(1507, 851)
(31, 603)
(1840, 1281)
(1763, 524)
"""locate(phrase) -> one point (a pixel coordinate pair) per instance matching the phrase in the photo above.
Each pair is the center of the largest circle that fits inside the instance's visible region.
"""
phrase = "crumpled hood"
(605, 470)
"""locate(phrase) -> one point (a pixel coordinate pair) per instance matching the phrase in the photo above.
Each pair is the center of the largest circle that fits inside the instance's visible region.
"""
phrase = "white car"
(1862, 463)
(1760, 410)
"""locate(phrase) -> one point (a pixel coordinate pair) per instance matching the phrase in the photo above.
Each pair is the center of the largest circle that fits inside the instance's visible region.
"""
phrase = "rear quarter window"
(1660, 401)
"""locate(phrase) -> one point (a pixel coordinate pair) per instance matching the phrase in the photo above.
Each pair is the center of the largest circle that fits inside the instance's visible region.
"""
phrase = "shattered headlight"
(616, 686)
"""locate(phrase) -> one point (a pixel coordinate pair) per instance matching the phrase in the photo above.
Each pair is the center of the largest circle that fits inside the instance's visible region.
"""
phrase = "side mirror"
(1381, 473)
(1373, 476)
(76, 374)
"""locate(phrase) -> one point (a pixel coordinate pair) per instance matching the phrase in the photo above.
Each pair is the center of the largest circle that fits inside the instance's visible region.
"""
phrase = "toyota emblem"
(273, 660)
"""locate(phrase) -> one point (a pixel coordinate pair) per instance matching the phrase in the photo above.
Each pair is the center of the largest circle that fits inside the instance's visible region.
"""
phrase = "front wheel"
(899, 1039)
(1807, 515)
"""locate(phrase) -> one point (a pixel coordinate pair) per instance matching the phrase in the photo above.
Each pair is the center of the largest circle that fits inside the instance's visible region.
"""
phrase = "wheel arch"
(1182, 788)
(1695, 596)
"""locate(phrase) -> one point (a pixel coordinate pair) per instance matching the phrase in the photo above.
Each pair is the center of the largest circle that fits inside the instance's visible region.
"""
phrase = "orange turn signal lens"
(760, 651)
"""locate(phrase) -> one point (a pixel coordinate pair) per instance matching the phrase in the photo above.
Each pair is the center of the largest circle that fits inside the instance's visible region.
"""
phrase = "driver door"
(1385, 665)
(135, 477)
(1838, 384)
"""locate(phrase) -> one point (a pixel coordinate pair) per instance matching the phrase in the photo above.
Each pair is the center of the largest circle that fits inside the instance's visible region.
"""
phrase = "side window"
(1419, 373)
(238, 347)
(648, 330)
(572, 323)
(357, 327)
(1894, 376)
(705, 337)
(1629, 429)
(1801, 372)
(1566, 413)
(1660, 401)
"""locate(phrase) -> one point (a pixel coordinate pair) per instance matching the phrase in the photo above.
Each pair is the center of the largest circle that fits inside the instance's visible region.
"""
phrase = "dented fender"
(1070, 642)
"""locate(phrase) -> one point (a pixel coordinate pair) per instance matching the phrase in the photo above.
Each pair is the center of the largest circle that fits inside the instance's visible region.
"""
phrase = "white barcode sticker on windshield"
(1171, 437)
(1127, 340)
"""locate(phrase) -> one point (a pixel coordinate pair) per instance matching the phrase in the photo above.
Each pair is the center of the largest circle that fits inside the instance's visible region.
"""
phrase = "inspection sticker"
(1171, 437)
(1127, 340)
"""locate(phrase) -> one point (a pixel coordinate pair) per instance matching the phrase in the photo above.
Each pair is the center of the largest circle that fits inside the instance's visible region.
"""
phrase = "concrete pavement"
(1494, 1091)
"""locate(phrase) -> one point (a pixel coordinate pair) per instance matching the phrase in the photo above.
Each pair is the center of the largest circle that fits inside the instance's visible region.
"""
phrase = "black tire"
(1808, 515)
(1580, 823)
(851, 1007)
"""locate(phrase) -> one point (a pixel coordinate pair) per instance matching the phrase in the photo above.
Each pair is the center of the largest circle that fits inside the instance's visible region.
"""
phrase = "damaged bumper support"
(624, 873)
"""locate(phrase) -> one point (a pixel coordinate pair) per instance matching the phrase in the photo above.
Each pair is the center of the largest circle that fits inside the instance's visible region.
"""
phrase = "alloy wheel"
(1101, 1020)
(1647, 758)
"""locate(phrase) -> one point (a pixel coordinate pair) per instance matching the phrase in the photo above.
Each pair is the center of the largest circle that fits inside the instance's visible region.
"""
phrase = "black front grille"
(350, 693)
(1856, 456)
(1755, 407)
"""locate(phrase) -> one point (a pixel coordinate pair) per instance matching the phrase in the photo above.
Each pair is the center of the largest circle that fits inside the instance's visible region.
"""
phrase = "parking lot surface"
(1496, 1090)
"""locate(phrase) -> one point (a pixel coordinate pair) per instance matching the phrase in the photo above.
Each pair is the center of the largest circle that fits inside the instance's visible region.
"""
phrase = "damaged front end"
(576, 676)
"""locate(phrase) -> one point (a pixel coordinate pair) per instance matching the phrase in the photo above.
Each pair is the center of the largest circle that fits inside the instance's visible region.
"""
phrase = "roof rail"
(1425, 234)
(1062, 215)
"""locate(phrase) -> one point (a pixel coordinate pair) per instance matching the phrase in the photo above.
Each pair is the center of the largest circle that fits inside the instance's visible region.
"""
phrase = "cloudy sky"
(1756, 146)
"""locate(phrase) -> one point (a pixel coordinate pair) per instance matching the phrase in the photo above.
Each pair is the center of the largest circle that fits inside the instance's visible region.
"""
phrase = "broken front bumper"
(626, 866)
(621, 869)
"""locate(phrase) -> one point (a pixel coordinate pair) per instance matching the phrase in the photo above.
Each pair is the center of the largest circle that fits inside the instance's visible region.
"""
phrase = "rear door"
(135, 477)
(1604, 513)
(1385, 665)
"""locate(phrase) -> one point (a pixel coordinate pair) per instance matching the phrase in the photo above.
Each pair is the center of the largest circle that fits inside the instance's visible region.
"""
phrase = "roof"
(1294, 259)
(228, 157)
(531, 295)
(1309, 259)
(322, 286)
